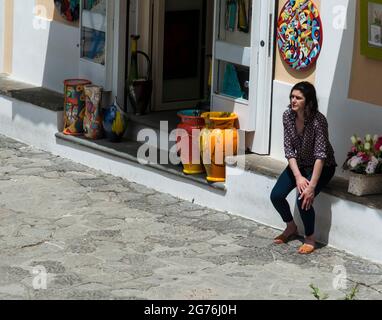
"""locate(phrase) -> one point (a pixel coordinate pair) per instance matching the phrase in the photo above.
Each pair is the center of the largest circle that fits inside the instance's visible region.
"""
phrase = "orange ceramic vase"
(187, 138)
(218, 140)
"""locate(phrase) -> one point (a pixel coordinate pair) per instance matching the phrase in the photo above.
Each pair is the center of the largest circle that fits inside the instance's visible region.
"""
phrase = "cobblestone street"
(102, 237)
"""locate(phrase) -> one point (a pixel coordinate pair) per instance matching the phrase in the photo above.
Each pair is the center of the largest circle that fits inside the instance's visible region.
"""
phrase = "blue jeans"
(286, 183)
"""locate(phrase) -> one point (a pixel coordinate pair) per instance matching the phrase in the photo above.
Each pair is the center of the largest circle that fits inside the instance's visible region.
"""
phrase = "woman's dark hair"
(309, 92)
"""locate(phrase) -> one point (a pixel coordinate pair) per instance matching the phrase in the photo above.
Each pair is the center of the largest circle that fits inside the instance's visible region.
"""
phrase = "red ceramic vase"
(187, 139)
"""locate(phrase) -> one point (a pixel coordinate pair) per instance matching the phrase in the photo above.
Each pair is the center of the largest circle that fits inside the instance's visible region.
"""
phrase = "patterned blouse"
(312, 144)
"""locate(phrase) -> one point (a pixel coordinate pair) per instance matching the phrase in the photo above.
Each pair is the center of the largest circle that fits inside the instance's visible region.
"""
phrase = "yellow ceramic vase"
(218, 140)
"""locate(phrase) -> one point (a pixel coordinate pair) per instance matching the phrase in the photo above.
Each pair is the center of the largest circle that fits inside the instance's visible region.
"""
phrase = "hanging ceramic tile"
(299, 34)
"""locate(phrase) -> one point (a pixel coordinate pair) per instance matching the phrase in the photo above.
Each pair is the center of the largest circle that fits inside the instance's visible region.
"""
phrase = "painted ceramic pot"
(93, 117)
(74, 106)
(218, 140)
(187, 140)
(114, 122)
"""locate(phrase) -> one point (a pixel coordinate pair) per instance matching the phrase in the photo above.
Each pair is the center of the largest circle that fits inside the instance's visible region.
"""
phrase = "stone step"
(159, 127)
(130, 151)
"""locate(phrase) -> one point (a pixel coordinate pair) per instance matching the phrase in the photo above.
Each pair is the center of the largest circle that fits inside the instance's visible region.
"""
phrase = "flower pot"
(93, 116)
(361, 185)
(218, 140)
(187, 141)
(74, 106)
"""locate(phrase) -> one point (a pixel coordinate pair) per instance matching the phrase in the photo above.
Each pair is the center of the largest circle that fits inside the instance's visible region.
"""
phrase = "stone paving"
(102, 237)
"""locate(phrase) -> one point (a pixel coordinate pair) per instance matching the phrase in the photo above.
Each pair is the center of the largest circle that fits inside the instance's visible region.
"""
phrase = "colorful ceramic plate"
(299, 34)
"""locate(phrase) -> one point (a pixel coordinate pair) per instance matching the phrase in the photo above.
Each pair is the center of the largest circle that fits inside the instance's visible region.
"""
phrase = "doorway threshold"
(128, 150)
(154, 119)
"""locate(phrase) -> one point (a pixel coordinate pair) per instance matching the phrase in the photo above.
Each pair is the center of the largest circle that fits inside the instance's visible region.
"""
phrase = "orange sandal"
(306, 249)
(285, 239)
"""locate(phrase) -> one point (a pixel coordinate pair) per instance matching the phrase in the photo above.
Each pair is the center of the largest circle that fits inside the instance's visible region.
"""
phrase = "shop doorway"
(182, 35)
(182, 49)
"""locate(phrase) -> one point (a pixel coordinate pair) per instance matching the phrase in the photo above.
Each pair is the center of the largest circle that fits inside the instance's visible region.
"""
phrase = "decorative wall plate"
(69, 9)
(300, 34)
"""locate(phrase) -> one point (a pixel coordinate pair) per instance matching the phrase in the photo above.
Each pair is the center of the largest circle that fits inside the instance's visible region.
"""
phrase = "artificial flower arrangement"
(365, 156)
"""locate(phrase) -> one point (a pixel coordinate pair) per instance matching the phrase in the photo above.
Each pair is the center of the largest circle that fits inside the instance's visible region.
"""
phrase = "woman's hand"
(308, 198)
(302, 183)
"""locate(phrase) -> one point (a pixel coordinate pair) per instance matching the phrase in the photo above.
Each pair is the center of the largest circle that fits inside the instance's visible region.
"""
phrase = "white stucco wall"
(345, 116)
(45, 52)
(1, 35)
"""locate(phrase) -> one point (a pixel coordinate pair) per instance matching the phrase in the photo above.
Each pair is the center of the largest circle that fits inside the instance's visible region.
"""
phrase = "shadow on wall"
(19, 97)
(323, 208)
(62, 55)
(324, 216)
(45, 53)
(37, 97)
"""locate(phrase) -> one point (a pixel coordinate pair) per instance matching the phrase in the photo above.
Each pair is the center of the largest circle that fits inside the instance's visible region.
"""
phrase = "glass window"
(235, 22)
(93, 46)
(233, 80)
(233, 48)
(93, 31)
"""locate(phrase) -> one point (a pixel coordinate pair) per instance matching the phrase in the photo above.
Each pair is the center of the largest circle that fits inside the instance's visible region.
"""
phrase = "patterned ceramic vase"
(187, 140)
(93, 118)
(218, 140)
(74, 106)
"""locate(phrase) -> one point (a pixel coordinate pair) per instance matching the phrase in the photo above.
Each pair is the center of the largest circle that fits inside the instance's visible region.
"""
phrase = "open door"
(182, 42)
(243, 65)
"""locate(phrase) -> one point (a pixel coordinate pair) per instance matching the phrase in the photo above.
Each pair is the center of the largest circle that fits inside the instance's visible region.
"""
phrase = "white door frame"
(120, 49)
(261, 111)
(254, 114)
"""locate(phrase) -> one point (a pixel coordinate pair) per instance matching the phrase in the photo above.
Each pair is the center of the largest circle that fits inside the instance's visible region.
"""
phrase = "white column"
(335, 61)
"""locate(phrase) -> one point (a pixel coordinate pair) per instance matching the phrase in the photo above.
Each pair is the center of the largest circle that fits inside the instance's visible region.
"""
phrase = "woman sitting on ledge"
(311, 163)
